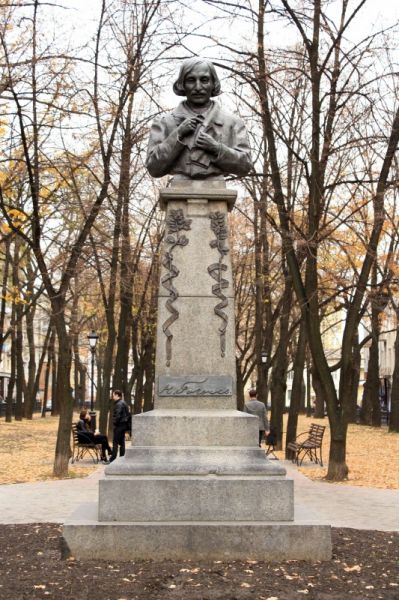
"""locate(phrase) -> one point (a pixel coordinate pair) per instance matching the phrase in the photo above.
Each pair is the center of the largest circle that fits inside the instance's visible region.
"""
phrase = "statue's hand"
(206, 142)
(189, 126)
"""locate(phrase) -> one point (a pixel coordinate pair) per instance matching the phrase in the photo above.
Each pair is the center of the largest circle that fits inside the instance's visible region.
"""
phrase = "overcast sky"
(83, 15)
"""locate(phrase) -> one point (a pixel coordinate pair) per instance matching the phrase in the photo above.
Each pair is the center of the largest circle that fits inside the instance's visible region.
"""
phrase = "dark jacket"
(120, 415)
(85, 436)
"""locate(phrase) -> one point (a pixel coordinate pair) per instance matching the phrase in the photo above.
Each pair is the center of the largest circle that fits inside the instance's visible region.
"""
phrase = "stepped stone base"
(224, 428)
(194, 484)
(87, 538)
(187, 460)
(185, 498)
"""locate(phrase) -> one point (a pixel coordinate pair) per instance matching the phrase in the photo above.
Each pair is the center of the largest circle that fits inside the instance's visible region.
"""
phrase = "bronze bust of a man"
(198, 140)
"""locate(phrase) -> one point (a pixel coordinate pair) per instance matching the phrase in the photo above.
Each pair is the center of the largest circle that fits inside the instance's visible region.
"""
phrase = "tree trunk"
(319, 407)
(45, 394)
(13, 369)
(297, 389)
(353, 384)
(337, 468)
(31, 389)
(64, 399)
(47, 371)
(30, 396)
(366, 408)
(19, 338)
(240, 386)
(20, 385)
(55, 410)
(278, 389)
(278, 386)
(149, 372)
(263, 311)
(105, 393)
(74, 332)
(375, 394)
(138, 393)
(41, 362)
(371, 411)
(127, 269)
(109, 306)
(4, 285)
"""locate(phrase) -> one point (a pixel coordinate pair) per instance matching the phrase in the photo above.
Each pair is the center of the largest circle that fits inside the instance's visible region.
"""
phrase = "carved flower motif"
(176, 221)
(219, 228)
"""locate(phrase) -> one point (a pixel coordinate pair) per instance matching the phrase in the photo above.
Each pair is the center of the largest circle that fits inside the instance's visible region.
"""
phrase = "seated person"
(86, 436)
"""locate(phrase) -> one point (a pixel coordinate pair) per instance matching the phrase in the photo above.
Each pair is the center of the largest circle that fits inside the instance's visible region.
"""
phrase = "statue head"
(187, 66)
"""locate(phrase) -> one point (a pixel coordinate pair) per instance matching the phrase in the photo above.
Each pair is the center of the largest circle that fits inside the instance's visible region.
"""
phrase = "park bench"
(311, 446)
(80, 449)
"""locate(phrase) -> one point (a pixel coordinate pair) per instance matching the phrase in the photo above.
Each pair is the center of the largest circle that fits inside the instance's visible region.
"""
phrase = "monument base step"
(87, 538)
(195, 428)
(196, 498)
(194, 460)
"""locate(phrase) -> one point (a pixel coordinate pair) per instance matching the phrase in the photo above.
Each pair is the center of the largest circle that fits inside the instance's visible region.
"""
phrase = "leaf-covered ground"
(27, 451)
(365, 565)
(372, 455)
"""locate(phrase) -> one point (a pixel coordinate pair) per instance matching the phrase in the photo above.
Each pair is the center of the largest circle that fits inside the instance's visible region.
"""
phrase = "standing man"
(120, 418)
(258, 409)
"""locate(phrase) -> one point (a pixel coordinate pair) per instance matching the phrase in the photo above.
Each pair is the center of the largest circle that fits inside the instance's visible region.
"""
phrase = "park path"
(343, 505)
(321, 502)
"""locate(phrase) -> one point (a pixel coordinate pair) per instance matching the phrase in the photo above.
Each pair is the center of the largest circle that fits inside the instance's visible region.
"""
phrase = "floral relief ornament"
(175, 223)
(216, 270)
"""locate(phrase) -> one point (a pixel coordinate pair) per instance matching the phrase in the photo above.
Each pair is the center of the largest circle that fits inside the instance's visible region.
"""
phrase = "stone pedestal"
(194, 484)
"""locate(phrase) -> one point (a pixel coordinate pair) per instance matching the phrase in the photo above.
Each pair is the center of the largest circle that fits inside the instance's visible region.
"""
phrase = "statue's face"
(198, 85)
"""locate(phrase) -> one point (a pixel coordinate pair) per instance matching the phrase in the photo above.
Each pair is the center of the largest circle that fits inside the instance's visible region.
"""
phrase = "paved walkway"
(344, 505)
(339, 505)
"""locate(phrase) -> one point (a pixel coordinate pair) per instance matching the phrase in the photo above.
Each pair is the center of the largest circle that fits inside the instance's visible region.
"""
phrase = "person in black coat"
(120, 420)
(85, 435)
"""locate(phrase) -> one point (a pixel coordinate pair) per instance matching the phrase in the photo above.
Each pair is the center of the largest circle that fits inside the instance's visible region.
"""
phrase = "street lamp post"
(92, 337)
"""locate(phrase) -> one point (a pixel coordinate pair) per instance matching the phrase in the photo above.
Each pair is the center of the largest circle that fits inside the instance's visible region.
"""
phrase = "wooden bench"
(80, 449)
(311, 446)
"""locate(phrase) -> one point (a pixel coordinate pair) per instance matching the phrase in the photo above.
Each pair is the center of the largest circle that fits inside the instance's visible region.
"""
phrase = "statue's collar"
(211, 114)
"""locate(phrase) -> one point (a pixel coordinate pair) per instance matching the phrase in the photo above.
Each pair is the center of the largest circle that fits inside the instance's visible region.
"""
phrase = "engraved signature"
(194, 387)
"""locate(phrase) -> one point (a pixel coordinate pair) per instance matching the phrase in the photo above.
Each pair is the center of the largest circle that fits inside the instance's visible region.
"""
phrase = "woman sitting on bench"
(86, 436)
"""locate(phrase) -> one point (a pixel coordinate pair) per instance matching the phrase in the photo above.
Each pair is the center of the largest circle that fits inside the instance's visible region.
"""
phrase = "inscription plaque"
(195, 385)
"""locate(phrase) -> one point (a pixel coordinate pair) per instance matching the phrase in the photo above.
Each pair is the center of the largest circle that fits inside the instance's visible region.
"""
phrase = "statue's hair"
(185, 69)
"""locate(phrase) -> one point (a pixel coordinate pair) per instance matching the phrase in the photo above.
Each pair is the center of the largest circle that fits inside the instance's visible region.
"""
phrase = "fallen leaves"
(372, 455)
(27, 451)
(356, 568)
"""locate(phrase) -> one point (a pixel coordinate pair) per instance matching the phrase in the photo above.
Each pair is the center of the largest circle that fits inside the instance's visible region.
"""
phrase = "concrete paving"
(46, 501)
(343, 505)
(321, 502)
